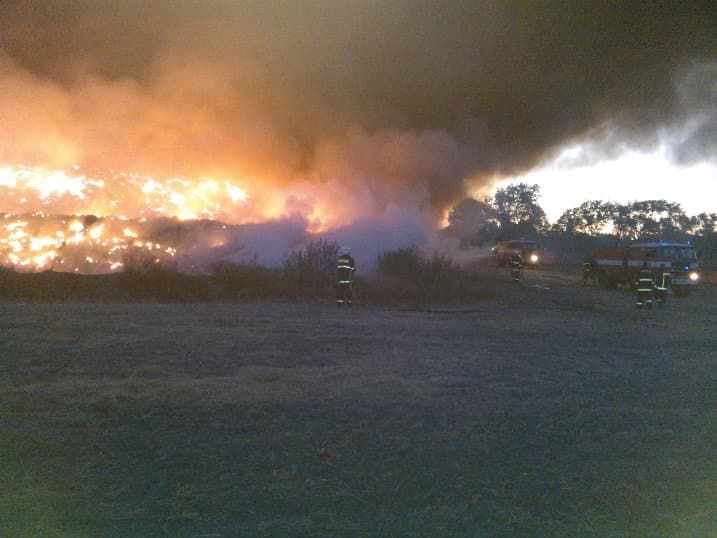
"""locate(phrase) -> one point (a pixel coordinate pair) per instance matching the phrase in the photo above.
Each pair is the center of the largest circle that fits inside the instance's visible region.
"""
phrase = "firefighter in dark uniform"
(662, 285)
(516, 264)
(588, 270)
(645, 286)
(345, 268)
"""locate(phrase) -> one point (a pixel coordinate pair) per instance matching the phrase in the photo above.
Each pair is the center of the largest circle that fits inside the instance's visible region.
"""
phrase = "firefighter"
(516, 264)
(645, 285)
(588, 270)
(662, 285)
(345, 268)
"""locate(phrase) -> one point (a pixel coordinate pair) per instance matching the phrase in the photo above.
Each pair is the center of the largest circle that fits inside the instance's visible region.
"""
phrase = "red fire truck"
(621, 265)
(527, 250)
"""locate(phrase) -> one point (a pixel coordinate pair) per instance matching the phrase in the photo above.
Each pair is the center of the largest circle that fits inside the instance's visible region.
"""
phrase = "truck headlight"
(533, 258)
(694, 276)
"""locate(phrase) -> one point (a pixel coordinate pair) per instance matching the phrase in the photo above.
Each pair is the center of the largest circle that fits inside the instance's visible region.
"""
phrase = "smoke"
(353, 117)
(201, 245)
(693, 137)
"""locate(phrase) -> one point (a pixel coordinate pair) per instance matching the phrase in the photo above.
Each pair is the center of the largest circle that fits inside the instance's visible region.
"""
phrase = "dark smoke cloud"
(411, 98)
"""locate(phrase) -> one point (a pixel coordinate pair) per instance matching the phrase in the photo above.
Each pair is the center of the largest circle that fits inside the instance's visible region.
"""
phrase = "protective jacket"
(645, 281)
(516, 264)
(645, 285)
(587, 269)
(662, 285)
(345, 268)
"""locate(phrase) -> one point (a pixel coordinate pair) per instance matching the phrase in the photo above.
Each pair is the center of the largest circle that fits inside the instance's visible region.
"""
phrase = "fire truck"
(527, 250)
(621, 265)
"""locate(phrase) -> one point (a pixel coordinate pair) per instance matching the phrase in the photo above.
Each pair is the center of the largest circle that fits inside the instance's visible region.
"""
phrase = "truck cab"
(526, 249)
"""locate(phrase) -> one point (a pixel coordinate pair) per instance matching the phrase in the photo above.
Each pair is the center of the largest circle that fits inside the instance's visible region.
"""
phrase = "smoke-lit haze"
(361, 117)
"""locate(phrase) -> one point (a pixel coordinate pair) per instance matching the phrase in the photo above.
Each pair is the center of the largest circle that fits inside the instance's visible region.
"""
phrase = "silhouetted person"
(662, 285)
(516, 265)
(588, 270)
(345, 268)
(645, 286)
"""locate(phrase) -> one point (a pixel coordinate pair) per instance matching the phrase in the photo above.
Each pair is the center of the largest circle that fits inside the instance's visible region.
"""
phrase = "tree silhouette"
(518, 209)
(650, 219)
(702, 224)
(514, 212)
(474, 222)
(592, 218)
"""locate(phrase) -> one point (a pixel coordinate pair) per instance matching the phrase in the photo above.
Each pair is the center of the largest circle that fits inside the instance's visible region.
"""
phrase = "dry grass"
(549, 410)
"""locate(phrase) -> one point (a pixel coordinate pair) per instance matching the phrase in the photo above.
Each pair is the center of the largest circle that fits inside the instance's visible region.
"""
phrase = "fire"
(96, 232)
(69, 220)
(32, 240)
(236, 194)
(29, 189)
(39, 242)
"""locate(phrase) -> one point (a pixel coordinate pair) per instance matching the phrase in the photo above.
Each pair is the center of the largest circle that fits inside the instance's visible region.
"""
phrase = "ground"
(551, 409)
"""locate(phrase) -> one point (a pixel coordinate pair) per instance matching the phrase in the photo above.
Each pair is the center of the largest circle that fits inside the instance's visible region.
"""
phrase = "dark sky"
(395, 94)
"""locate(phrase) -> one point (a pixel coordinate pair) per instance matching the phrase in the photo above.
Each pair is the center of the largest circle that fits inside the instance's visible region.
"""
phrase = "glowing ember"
(28, 189)
(67, 220)
(38, 242)
(32, 240)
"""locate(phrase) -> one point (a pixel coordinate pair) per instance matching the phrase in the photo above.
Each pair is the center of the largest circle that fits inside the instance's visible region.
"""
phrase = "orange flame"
(40, 232)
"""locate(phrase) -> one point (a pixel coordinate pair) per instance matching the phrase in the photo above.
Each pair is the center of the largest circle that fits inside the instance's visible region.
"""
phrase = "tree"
(702, 224)
(473, 222)
(592, 218)
(518, 209)
(650, 219)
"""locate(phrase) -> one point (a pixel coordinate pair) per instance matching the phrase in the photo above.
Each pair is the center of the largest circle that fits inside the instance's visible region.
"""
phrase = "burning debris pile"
(83, 244)
(88, 244)
(54, 220)
(72, 221)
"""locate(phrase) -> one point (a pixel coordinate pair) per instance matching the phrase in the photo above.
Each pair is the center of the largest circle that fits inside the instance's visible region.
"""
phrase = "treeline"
(405, 276)
(514, 212)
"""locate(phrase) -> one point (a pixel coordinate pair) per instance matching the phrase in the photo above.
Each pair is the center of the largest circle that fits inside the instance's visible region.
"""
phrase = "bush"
(411, 276)
(146, 277)
(404, 262)
(311, 272)
(234, 282)
(406, 277)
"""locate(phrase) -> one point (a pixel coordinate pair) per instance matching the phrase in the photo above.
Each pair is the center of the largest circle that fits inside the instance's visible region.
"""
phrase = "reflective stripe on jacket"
(646, 281)
(344, 269)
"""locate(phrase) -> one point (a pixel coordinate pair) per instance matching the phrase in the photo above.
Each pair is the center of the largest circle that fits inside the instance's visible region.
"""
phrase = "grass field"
(550, 409)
